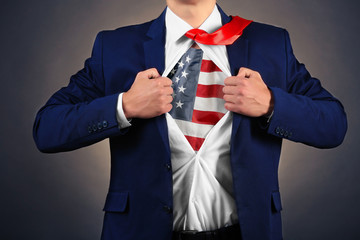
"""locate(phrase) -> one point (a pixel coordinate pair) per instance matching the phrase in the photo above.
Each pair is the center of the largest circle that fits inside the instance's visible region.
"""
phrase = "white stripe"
(212, 78)
(210, 104)
(194, 129)
(217, 53)
(205, 57)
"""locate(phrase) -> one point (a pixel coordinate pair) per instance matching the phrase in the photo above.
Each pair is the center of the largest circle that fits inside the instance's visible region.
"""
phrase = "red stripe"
(209, 66)
(210, 91)
(195, 142)
(206, 117)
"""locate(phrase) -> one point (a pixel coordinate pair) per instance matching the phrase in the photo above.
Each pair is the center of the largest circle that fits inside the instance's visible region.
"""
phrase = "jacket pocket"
(276, 201)
(116, 202)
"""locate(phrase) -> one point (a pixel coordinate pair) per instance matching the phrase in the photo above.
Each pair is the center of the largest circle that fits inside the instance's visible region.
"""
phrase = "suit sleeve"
(304, 111)
(79, 114)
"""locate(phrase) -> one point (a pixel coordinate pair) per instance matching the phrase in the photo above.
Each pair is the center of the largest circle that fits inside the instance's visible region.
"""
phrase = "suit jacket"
(139, 202)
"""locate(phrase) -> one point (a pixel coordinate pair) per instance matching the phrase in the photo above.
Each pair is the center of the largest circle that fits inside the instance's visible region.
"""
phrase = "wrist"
(127, 108)
(270, 108)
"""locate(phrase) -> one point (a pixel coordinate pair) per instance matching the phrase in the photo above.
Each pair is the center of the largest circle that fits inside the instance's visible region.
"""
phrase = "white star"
(179, 104)
(181, 64)
(173, 71)
(188, 59)
(182, 89)
(184, 74)
(177, 79)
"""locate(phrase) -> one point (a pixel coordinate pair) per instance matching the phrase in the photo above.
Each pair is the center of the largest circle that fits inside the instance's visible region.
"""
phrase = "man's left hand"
(247, 94)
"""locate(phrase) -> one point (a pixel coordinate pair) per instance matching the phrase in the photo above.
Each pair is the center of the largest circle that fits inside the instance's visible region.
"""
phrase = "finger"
(164, 81)
(230, 90)
(231, 107)
(230, 98)
(168, 107)
(152, 73)
(245, 72)
(168, 99)
(168, 91)
(232, 81)
(165, 108)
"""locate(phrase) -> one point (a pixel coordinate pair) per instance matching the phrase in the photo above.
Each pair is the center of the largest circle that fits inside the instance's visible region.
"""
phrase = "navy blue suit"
(139, 202)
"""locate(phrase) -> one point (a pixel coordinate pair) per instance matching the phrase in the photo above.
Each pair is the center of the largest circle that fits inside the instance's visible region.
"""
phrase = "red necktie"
(225, 35)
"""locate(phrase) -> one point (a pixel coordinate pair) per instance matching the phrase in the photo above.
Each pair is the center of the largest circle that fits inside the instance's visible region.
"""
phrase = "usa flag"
(198, 98)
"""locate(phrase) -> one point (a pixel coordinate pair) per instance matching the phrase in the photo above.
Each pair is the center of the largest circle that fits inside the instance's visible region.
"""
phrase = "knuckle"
(245, 82)
(158, 82)
(151, 70)
(226, 81)
(239, 91)
(139, 74)
(225, 89)
(168, 81)
(163, 109)
(170, 99)
(238, 100)
(169, 108)
(238, 80)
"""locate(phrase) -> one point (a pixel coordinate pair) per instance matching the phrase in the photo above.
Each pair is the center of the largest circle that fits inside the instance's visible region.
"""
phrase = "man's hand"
(247, 94)
(149, 96)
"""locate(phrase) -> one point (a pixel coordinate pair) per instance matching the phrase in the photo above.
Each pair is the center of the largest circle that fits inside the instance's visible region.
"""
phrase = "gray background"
(60, 196)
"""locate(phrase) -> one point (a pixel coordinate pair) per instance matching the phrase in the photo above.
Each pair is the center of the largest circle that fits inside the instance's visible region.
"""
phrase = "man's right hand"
(149, 96)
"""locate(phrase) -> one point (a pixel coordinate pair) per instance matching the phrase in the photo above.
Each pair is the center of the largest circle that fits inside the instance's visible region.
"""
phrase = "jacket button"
(167, 209)
(282, 132)
(99, 125)
(286, 133)
(277, 130)
(89, 129)
(168, 167)
(94, 128)
(105, 123)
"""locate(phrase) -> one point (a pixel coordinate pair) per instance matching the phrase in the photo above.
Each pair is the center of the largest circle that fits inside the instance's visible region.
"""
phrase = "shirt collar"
(177, 27)
(176, 42)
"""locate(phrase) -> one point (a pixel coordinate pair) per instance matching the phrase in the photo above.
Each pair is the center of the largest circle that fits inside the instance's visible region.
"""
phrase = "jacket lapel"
(238, 57)
(154, 54)
(154, 47)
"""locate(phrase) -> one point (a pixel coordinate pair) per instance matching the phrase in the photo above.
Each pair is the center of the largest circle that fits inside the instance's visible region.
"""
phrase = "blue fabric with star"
(185, 76)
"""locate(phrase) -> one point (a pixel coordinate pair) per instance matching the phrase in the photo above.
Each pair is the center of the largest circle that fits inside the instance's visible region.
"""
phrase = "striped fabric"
(198, 98)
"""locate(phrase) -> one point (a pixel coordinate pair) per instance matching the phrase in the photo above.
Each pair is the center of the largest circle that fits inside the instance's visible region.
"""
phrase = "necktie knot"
(226, 35)
(193, 33)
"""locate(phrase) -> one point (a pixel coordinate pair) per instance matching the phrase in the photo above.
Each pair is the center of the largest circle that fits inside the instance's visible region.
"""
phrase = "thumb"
(152, 73)
(245, 72)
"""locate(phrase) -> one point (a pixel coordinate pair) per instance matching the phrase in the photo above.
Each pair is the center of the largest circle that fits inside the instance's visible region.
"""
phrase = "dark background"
(60, 196)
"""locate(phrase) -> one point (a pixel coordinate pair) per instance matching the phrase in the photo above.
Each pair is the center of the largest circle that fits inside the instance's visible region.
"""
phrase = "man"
(212, 176)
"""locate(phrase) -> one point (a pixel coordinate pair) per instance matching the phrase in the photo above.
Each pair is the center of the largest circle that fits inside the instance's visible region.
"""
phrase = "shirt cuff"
(268, 117)
(120, 115)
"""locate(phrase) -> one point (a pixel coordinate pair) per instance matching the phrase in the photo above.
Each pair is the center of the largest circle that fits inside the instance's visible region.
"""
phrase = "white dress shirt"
(202, 181)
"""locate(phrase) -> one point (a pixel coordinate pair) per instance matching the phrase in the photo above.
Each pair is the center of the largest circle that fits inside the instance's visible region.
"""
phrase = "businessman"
(195, 104)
